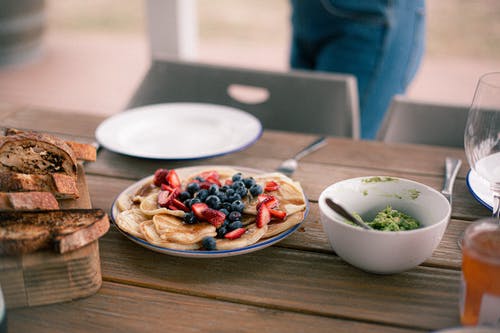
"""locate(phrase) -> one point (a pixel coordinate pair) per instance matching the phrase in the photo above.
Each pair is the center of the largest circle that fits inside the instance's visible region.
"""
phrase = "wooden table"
(297, 285)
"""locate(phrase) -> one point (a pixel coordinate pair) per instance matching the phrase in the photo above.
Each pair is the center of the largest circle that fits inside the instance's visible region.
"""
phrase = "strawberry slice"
(263, 216)
(207, 214)
(213, 180)
(165, 198)
(160, 177)
(228, 182)
(236, 233)
(214, 217)
(198, 209)
(165, 187)
(269, 200)
(179, 205)
(279, 214)
(271, 186)
(173, 179)
(210, 174)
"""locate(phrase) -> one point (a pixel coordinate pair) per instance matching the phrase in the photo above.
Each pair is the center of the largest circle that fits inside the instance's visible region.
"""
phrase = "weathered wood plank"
(79, 124)
(314, 283)
(131, 309)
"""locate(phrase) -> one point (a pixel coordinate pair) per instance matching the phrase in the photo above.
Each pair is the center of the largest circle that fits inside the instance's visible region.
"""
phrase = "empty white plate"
(179, 131)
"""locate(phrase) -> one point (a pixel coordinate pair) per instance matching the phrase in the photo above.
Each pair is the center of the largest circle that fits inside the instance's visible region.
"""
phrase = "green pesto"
(390, 220)
(378, 179)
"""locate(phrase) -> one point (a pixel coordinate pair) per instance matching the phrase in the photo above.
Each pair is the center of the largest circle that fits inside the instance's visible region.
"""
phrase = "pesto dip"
(391, 220)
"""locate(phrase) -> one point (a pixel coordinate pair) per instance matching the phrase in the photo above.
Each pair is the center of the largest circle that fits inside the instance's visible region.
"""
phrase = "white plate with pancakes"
(141, 221)
(179, 131)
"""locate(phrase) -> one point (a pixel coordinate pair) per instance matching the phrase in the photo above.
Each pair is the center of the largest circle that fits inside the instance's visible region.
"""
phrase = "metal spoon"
(344, 213)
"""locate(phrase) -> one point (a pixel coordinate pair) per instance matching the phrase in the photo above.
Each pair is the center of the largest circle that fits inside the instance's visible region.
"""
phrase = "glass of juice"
(480, 290)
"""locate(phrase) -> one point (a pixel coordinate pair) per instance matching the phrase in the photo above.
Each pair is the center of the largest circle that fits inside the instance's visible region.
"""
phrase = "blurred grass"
(459, 28)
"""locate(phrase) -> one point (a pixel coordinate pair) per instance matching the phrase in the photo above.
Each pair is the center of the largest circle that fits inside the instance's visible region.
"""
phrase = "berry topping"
(193, 188)
(237, 176)
(235, 215)
(279, 214)
(189, 218)
(173, 179)
(238, 206)
(160, 177)
(237, 233)
(271, 186)
(234, 225)
(249, 182)
(255, 190)
(184, 195)
(207, 214)
(209, 243)
(269, 200)
(202, 195)
(213, 201)
(263, 216)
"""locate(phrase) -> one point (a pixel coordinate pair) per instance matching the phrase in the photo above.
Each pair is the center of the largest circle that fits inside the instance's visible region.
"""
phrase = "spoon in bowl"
(344, 213)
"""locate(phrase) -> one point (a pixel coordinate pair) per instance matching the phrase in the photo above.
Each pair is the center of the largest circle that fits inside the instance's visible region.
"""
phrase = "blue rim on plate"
(164, 131)
(474, 188)
(202, 253)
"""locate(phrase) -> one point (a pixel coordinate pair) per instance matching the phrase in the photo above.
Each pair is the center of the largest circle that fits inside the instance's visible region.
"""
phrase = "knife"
(452, 165)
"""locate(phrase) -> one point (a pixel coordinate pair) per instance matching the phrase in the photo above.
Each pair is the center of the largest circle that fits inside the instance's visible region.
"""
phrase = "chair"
(409, 121)
(297, 101)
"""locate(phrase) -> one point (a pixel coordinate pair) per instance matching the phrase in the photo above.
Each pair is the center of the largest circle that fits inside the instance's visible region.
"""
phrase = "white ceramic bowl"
(384, 252)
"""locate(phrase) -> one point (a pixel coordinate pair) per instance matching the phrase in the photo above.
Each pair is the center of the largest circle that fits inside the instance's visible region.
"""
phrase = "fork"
(452, 165)
(289, 166)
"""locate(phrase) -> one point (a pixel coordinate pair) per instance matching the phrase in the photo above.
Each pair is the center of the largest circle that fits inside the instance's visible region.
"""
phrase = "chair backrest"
(299, 101)
(409, 121)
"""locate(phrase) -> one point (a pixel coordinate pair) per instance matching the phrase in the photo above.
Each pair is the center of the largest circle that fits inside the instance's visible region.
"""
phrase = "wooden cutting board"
(46, 277)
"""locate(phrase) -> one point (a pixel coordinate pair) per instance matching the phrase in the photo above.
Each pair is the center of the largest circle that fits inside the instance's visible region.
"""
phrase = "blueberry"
(193, 188)
(242, 191)
(224, 188)
(183, 196)
(221, 231)
(213, 201)
(234, 215)
(249, 182)
(222, 196)
(255, 190)
(227, 206)
(202, 195)
(235, 225)
(190, 202)
(238, 206)
(225, 211)
(237, 176)
(200, 179)
(189, 218)
(233, 198)
(238, 184)
(213, 189)
(209, 243)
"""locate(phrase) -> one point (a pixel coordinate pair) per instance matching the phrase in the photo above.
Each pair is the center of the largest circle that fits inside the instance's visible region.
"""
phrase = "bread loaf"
(36, 153)
(28, 201)
(62, 230)
(82, 151)
(61, 185)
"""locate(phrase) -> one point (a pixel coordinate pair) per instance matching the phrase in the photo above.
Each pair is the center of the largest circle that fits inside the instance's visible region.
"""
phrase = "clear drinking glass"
(482, 134)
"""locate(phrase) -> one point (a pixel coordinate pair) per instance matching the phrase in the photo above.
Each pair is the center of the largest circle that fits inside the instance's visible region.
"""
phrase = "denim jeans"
(380, 42)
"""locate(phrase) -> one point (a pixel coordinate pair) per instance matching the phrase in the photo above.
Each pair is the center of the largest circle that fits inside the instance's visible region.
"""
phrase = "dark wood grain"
(125, 308)
(314, 283)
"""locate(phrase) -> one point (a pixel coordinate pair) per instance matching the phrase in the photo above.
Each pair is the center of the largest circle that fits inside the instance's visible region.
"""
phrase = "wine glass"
(482, 135)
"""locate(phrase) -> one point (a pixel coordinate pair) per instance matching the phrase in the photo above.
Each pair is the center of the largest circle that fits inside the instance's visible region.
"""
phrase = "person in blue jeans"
(380, 42)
